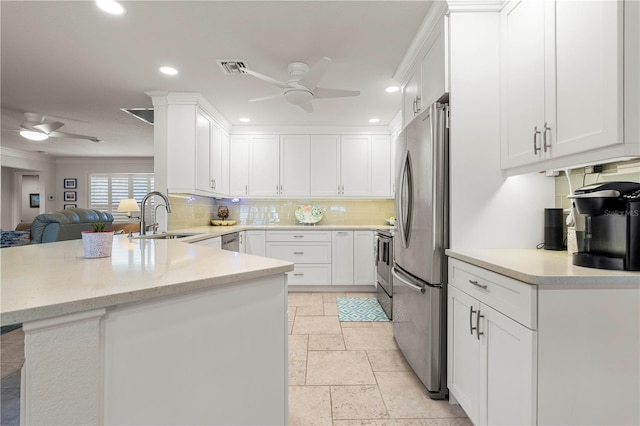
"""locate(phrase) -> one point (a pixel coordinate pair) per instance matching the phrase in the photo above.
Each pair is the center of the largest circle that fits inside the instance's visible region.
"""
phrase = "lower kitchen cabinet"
(342, 257)
(492, 363)
(254, 242)
(549, 354)
(363, 258)
(215, 242)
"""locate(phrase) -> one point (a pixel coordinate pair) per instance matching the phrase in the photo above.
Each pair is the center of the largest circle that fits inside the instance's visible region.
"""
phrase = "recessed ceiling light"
(392, 89)
(245, 119)
(33, 136)
(374, 120)
(110, 6)
(168, 70)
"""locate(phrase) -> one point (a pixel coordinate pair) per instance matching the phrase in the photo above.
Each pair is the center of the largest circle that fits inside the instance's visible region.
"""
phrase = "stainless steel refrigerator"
(419, 271)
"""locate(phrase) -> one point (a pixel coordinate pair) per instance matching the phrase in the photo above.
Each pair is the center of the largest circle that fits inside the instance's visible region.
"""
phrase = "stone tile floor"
(340, 374)
(352, 373)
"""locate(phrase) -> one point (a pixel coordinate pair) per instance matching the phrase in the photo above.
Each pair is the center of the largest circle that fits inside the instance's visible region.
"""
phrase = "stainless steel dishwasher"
(231, 242)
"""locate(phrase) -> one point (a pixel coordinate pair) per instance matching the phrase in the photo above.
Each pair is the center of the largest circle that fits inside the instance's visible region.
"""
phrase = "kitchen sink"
(167, 235)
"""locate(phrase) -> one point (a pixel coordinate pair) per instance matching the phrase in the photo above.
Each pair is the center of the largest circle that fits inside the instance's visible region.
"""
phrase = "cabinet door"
(363, 258)
(239, 165)
(463, 352)
(585, 62)
(264, 165)
(215, 160)
(522, 82)
(435, 65)
(342, 258)
(381, 166)
(325, 165)
(411, 97)
(355, 165)
(294, 165)
(215, 242)
(255, 243)
(203, 152)
(508, 359)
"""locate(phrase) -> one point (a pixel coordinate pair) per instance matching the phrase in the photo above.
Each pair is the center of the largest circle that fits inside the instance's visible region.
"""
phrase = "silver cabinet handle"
(298, 236)
(484, 287)
(418, 104)
(471, 327)
(536, 132)
(246, 189)
(298, 252)
(478, 332)
(415, 101)
(546, 145)
(298, 275)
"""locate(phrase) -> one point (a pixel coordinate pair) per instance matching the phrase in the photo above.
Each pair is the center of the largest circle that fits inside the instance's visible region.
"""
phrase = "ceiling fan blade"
(265, 78)
(74, 136)
(49, 127)
(321, 92)
(266, 98)
(315, 74)
(307, 107)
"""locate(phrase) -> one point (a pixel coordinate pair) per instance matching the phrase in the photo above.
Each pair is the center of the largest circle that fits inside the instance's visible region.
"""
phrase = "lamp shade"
(128, 205)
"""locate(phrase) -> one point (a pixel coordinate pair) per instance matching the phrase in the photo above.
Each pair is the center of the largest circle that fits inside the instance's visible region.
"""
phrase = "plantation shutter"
(106, 191)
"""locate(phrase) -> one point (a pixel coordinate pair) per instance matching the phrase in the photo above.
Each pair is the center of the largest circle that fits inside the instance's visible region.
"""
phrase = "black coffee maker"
(612, 225)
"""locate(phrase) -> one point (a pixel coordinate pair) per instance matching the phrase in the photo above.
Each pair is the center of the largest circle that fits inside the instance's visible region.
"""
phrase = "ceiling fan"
(301, 88)
(38, 128)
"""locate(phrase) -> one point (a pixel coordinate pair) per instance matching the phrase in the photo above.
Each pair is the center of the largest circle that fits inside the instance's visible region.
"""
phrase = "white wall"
(14, 163)
(80, 168)
(487, 209)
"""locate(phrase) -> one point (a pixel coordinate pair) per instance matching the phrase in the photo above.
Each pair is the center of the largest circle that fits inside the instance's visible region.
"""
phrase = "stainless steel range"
(384, 264)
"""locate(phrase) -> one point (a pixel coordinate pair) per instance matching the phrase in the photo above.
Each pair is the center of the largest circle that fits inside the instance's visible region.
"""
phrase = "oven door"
(384, 263)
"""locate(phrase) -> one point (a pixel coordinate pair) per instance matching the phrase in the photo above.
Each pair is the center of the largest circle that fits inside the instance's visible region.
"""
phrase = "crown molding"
(162, 98)
(310, 130)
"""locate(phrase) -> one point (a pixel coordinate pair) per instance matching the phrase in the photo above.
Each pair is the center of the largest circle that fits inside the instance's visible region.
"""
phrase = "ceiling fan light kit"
(33, 136)
(37, 128)
(301, 88)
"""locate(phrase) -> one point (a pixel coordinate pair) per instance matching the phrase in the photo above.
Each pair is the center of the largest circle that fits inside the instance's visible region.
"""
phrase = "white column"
(62, 373)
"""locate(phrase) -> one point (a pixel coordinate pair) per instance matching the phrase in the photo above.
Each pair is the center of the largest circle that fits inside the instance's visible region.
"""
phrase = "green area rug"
(360, 309)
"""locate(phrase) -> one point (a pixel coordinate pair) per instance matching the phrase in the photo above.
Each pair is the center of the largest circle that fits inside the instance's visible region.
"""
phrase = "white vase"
(97, 244)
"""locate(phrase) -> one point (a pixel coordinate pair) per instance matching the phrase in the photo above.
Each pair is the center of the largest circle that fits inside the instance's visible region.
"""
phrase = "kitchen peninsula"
(160, 332)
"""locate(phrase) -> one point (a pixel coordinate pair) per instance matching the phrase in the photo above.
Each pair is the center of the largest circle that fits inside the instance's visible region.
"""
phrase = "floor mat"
(360, 309)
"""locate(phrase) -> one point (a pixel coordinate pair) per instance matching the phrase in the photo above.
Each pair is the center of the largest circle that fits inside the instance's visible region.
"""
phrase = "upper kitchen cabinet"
(355, 166)
(429, 77)
(196, 145)
(269, 165)
(563, 73)
(325, 167)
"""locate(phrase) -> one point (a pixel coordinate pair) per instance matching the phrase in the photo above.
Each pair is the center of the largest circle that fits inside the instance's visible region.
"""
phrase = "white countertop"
(214, 231)
(541, 267)
(45, 280)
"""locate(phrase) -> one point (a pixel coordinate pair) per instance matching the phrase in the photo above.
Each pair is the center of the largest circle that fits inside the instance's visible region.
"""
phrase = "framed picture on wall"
(70, 206)
(34, 200)
(70, 196)
(70, 183)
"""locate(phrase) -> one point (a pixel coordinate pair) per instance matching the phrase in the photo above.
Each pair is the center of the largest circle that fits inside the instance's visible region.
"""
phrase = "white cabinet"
(342, 257)
(562, 81)
(239, 165)
(363, 258)
(381, 170)
(310, 251)
(325, 165)
(264, 165)
(429, 78)
(295, 159)
(195, 151)
(355, 166)
(255, 242)
(491, 356)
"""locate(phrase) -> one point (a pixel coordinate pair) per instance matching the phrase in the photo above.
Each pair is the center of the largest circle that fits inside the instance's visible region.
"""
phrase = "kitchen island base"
(211, 356)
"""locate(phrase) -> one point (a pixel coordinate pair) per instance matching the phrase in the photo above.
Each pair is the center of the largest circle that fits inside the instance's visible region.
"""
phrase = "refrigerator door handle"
(405, 188)
(412, 286)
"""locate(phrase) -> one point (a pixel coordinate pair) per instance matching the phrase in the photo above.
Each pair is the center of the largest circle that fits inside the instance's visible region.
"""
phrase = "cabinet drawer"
(512, 298)
(310, 275)
(298, 236)
(300, 253)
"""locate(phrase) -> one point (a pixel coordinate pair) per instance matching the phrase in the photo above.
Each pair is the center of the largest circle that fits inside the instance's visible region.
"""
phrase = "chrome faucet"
(167, 205)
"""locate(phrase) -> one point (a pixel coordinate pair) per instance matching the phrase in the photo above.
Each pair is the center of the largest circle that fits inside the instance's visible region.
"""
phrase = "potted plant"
(97, 243)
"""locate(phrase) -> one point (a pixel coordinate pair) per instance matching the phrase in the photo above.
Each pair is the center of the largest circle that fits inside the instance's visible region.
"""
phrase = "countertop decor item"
(308, 214)
(391, 221)
(223, 222)
(223, 212)
(97, 243)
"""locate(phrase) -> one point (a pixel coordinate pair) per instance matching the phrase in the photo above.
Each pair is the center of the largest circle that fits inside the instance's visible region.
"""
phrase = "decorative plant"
(99, 226)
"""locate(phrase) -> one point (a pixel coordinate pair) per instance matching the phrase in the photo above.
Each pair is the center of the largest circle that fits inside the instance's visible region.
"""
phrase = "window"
(108, 189)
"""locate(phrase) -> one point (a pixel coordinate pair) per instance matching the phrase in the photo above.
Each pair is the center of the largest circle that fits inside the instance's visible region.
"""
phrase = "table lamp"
(128, 205)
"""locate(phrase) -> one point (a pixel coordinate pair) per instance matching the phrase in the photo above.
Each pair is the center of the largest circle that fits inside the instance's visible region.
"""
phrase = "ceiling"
(70, 61)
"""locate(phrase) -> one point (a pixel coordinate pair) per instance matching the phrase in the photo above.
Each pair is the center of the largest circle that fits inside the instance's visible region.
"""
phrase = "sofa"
(66, 224)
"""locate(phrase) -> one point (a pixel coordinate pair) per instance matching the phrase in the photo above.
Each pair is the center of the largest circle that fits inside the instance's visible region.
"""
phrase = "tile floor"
(352, 373)
(340, 374)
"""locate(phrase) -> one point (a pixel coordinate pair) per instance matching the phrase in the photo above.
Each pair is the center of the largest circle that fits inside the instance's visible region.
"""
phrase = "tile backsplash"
(198, 211)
